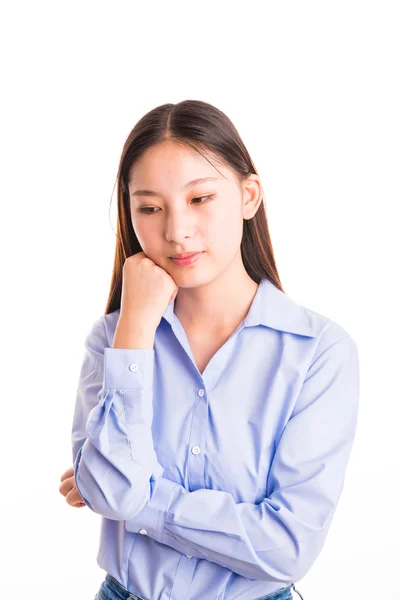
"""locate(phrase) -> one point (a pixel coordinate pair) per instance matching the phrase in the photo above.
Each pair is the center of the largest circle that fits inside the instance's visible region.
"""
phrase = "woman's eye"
(147, 209)
(201, 198)
(150, 210)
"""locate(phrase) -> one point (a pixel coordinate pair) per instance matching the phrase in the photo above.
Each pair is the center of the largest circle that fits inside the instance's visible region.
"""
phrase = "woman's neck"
(218, 306)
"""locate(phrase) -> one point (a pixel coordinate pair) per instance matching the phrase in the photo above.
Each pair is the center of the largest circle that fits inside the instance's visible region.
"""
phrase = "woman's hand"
(147, 289)
(69, 490)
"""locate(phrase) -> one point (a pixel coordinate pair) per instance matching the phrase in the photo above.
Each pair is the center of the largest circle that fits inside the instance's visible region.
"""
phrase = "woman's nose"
(179, 226)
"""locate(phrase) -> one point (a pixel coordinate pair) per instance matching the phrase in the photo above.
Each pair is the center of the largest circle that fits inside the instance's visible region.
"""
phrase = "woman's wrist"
(130, 333)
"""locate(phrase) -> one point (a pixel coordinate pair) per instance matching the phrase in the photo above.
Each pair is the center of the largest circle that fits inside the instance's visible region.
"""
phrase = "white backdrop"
(313, 88)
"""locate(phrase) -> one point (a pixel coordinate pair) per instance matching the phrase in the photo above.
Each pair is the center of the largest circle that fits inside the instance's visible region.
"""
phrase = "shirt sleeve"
(112, 446)
(280, 538)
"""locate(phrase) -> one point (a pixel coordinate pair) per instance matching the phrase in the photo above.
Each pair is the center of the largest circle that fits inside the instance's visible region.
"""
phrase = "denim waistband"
(121, 593)
(111, 585)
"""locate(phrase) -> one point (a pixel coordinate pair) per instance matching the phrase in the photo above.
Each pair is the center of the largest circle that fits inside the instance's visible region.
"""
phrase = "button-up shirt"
(221, 484)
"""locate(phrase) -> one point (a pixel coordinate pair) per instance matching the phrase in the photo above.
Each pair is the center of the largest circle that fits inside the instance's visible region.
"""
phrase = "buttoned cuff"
(150, 520)
(126, 368)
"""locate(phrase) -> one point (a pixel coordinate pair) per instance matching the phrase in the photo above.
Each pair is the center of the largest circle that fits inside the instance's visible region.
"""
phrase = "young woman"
(214, 416)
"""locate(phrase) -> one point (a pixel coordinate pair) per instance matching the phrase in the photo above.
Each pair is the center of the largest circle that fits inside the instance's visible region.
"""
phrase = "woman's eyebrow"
(188, 184)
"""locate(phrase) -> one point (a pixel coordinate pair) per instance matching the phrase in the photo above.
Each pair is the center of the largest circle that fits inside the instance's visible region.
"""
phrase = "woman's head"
(223, 216)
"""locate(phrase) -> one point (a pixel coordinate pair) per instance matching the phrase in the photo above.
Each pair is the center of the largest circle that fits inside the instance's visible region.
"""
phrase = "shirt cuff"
(126, 368)
(150, 520)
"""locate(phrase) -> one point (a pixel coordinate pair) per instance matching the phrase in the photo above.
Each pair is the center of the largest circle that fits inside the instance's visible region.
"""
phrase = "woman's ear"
(252, 195)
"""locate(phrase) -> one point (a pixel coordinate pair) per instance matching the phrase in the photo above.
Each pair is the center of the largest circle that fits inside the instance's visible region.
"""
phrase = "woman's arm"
(112, 444)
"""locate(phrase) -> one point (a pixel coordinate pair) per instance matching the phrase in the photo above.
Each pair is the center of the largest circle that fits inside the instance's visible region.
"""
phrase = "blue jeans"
(111, 589)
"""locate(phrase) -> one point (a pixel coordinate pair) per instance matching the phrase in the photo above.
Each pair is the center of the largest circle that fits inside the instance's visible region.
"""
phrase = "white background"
(313, 88)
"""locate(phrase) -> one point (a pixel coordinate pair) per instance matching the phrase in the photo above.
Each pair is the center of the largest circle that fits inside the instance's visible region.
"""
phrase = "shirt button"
(201, 392)
(143, 531)
(195, 450)
(188, 556)
(133, 367)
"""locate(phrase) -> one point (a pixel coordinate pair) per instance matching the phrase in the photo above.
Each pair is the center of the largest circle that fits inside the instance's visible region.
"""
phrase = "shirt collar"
(271, 308)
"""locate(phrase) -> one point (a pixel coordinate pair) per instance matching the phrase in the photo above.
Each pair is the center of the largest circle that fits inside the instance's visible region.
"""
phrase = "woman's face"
(171, 215)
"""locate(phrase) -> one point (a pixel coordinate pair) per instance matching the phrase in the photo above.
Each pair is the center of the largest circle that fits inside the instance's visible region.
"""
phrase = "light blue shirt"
(218, 485)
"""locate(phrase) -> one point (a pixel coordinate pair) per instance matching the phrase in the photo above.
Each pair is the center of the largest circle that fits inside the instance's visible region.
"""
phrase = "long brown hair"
(203, 127)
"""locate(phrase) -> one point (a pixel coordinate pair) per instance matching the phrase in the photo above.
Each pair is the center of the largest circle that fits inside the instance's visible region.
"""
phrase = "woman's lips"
(189, 260)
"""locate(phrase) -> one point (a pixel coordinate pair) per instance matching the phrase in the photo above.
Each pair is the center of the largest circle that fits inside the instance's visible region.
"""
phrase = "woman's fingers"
(66, 485)
(69, 490)
(68, 473)
(74, 498)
